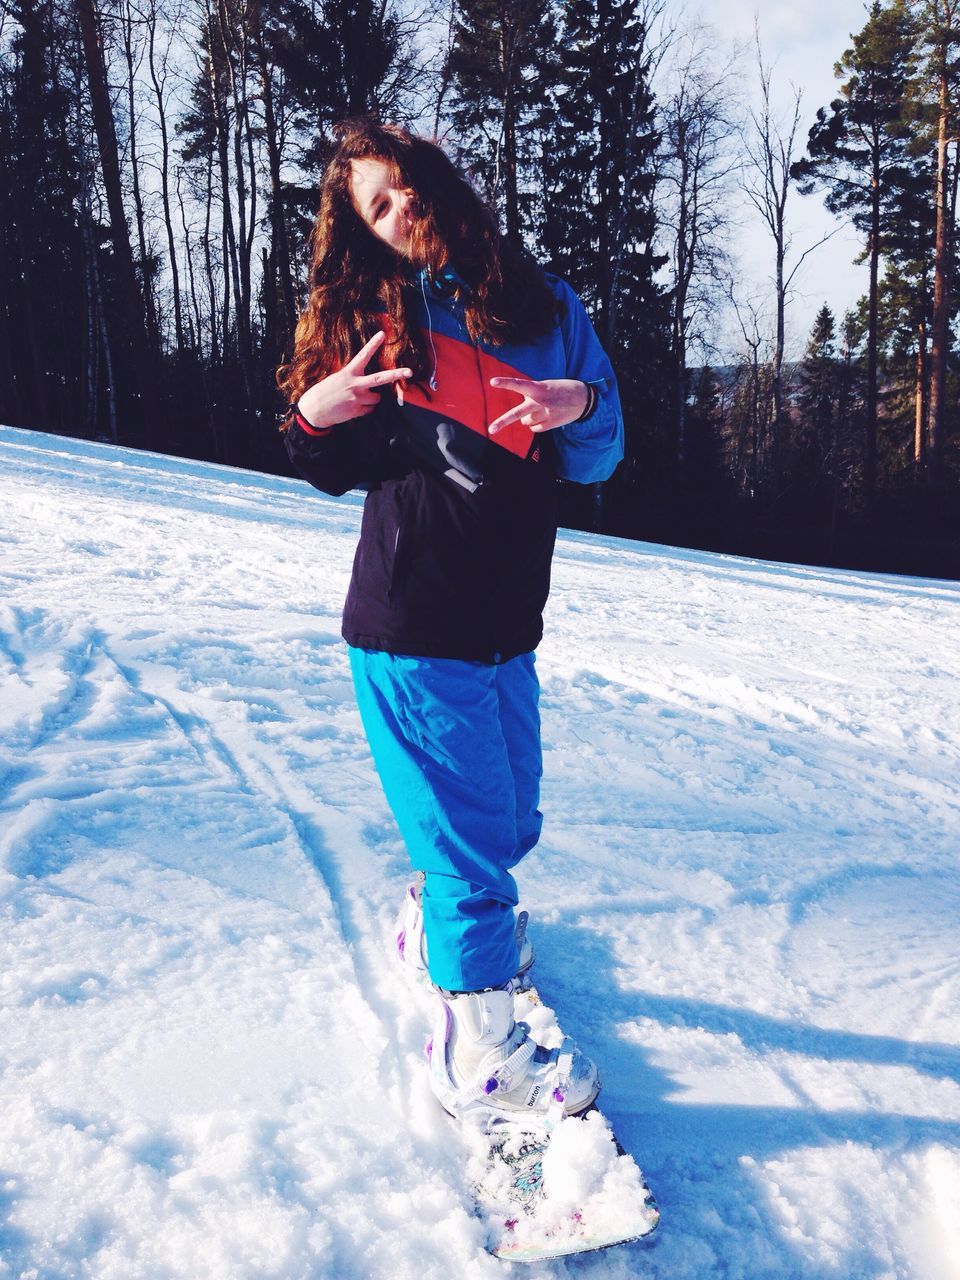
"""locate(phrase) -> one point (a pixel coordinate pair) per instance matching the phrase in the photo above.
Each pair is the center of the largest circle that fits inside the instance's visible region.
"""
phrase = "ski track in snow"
(746, 901)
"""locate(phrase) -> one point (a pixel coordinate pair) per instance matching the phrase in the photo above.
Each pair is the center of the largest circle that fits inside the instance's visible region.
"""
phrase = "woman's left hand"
(550, 403)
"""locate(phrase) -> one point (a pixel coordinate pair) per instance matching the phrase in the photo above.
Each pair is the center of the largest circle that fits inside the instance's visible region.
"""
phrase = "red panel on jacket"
(465, 395)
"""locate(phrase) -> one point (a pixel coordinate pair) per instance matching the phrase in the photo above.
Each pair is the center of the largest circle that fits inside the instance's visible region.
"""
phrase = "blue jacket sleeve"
(590, 450)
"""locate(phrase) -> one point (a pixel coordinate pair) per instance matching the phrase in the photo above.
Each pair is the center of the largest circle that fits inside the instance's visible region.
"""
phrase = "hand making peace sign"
(350, 392)
(550, 403)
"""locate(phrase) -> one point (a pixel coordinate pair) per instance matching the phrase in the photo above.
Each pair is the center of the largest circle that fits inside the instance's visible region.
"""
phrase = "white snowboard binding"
(486, 1068)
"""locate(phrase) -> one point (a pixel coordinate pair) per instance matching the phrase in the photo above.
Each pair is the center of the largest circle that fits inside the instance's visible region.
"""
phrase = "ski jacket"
(458, 526)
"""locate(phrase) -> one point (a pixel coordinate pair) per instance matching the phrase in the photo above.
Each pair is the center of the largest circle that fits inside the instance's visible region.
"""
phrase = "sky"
(802, 44)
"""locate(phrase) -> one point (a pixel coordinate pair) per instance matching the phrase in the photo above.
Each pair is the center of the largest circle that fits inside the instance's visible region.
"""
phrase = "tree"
(749, 419)
(939, 25)
(133, 54)
(598, 222)
(499, 67)
(696, 164)
(129, 300)
(906, 298)
(159, 64)
(597, 162)
(768, 146)
(706, 474)
(817, 390)
(48, 341)
(822, 458)
(859, 155)
(269, 33)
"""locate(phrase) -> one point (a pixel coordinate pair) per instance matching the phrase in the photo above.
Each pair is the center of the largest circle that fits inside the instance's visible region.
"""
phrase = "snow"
(591, 1194)
(745, 905)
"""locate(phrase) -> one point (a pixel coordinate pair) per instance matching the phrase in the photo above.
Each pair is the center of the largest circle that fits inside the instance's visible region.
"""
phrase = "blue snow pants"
(457, 748)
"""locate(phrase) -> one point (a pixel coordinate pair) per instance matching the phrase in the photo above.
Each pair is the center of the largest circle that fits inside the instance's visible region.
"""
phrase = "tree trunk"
(445, 76)
(920, 404)
(240, 246)
(510, 20)
(231, 266)
(88, 407)
(510, 193)
(940, 335)
(870, 441)
(232, 50)
(216, 344)
(679, 303)
(196, 322)
(129, 302)
(10, 409)
(40, 400)
(755, 424)
(681, 400)
(626, 195)
(107, 354)
(165, 181)
(778, 422)
(608, 138)
(148, 298)
(98, 332)
(280, 242)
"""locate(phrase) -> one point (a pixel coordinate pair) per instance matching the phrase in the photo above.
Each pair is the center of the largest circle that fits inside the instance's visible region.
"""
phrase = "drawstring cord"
(426, 304)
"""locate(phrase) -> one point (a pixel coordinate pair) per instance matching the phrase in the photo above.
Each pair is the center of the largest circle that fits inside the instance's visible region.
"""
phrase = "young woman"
(447, 375)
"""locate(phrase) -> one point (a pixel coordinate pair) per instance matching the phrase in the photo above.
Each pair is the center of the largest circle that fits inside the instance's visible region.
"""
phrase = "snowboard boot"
(411, 943)
(486, 1068)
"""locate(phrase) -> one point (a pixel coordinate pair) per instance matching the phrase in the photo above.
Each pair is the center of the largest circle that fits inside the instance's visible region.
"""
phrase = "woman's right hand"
(350, 392)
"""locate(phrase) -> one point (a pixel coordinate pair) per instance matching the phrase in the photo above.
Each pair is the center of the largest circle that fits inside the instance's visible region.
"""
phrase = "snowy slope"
(746, 902)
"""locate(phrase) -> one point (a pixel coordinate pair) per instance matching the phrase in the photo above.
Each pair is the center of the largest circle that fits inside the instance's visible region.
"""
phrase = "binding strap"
(504, 1073)
(562, 1087)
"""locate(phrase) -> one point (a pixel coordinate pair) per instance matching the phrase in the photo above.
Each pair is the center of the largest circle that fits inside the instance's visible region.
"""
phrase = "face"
(387, 210)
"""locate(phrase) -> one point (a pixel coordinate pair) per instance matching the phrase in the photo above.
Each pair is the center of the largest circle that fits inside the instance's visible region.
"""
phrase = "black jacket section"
(441, 570)
(443, 444)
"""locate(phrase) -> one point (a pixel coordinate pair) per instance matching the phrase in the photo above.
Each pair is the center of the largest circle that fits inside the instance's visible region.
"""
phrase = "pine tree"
(269, 38)
(906, 292)
(598, 222)
(44, 334)
(823, 459)
(847, 465)
(500, 66)
(817, 390)
(341, 59)
(705, 471)
(938, 88)
(905, 315)
(599, 219)
(859, 154)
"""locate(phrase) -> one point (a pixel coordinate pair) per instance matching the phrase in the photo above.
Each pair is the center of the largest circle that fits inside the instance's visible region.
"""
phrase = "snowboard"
(557, 1186)
(562, 1187)
(558, 1190)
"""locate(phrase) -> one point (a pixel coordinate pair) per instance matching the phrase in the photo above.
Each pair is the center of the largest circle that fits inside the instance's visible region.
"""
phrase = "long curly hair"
(358, 284)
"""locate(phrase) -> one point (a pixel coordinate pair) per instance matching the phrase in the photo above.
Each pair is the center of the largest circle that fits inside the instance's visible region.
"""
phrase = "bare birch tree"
(768, 153)
(130, 302)
(697, 162)
(159, 64)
